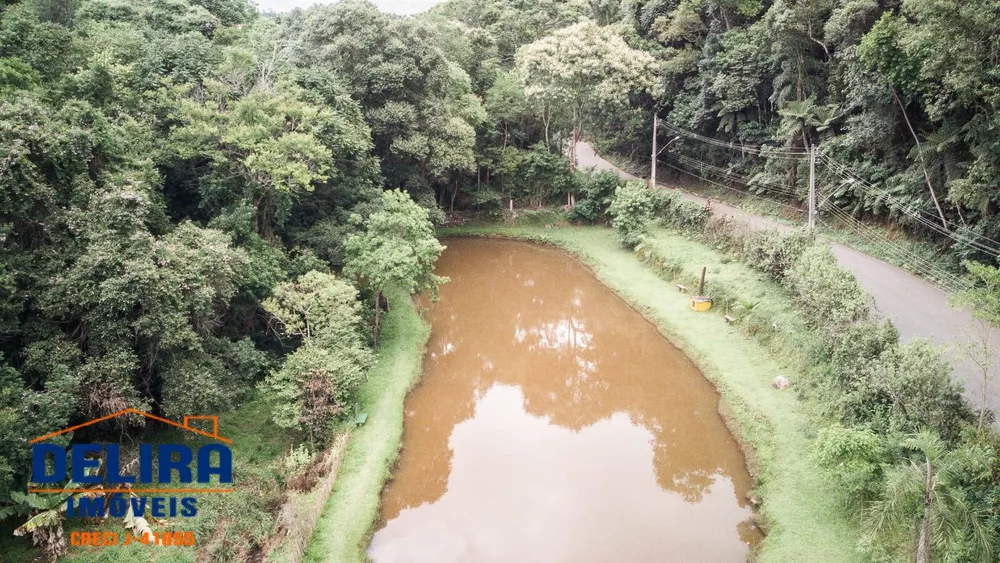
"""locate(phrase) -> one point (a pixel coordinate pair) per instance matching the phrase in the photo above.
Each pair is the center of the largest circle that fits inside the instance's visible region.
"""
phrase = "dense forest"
(200, 203)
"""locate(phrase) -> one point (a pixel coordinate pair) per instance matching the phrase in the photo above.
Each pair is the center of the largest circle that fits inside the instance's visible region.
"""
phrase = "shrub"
(907, 388)
(774, 253)
(858, 346)
(488, 199)
(766, 250)
(681, 213)
(856, 458)
(829, 294)
(535, 176)
(595, 194)
(632, 212)
(295, 461)
(984, 295)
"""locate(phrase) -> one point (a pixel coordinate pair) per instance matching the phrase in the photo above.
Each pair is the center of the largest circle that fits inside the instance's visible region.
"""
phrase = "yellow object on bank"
(701, 303)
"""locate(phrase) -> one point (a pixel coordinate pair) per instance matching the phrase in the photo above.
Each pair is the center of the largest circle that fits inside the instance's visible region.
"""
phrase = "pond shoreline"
(800, 510)
(351, 512)
(531, 354)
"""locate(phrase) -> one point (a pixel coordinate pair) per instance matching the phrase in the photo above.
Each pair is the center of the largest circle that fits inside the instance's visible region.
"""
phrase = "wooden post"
(701, 284)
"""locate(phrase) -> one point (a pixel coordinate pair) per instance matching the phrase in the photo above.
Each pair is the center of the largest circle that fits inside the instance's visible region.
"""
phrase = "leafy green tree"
(632, 212)
(984, 295)
(397, 248)
(419, 104)
(906, 388)
(316, 382)
(15, 74)
(505, 102)
(799, 118)
(596, 193)
(829, 294)
(517, 23)
(983, 298)
(857, 458)
(268, 142)
(582, 67)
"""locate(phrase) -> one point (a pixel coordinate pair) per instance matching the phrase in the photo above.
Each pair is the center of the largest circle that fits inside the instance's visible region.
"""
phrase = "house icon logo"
(185, 425)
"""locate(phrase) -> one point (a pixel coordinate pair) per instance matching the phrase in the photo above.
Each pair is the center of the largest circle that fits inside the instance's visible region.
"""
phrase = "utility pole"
(652, 165)
(812, 187)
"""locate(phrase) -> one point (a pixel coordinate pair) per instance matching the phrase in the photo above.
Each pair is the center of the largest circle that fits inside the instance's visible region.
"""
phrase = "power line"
(923, 265)
(684, 159)
(760, 150)
(844, 172)
(932, 224)
(927, 220)
(731, 176)
(728, 187)
(872, 235)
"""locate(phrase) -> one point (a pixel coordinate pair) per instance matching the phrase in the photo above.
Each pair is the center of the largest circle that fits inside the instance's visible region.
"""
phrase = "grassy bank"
(343, 530)
(804, 519)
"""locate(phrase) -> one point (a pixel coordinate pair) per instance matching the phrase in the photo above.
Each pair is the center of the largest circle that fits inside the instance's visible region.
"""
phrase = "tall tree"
(397, 248)
(583, 67)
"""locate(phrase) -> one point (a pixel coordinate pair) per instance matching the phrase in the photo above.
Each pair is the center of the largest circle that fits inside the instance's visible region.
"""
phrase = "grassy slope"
(805, 521)
(344, 529)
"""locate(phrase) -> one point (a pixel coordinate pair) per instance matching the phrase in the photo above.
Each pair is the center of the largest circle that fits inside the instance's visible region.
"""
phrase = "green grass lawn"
(349, 518)
(802, 514)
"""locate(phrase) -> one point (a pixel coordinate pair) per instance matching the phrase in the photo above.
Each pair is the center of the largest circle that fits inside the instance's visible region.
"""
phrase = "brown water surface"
(554, 424)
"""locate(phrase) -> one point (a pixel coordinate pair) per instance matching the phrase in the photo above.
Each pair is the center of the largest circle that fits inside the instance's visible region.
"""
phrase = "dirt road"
(918, 309)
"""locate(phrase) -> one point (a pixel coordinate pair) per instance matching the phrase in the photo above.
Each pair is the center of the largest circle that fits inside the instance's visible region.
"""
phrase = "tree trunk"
(545, 120)
(924, 540)
(572, 141)
(378, 312)
(800, 91)
(454, 192)
(923, 163)
(572, 161)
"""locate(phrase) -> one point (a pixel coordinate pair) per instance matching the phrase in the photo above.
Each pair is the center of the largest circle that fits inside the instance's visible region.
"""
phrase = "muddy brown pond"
(554, 424)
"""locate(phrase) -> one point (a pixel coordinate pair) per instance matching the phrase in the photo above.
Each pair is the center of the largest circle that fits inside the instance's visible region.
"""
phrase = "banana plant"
(45, 525)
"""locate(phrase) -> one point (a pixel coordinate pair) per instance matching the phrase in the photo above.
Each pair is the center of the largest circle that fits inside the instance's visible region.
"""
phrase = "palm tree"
(797, 118)
(924, 501)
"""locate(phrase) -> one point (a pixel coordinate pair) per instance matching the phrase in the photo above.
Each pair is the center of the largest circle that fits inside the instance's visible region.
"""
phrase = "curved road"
(916, 307)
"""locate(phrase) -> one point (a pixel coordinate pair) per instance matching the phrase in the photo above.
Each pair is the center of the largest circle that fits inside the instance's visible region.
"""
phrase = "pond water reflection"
(553, 423)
